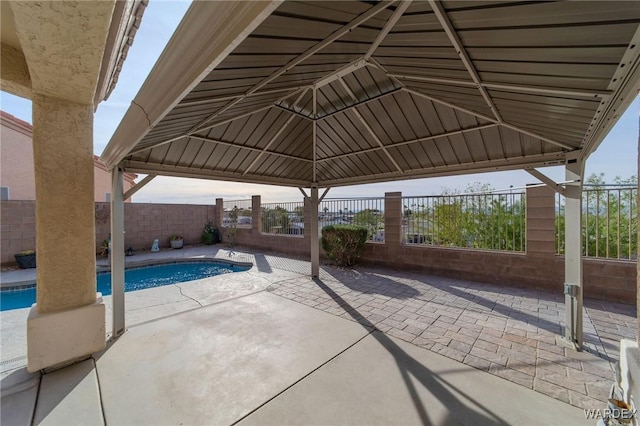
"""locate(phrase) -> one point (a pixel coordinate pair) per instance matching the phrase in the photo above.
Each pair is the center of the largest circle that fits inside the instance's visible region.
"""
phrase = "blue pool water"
(134, 279)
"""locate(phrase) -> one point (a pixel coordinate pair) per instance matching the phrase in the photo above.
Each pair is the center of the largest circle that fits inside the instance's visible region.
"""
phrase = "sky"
(616, 156)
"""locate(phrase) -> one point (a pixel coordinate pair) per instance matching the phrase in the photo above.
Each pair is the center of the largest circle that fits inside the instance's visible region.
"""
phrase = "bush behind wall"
(343, 244)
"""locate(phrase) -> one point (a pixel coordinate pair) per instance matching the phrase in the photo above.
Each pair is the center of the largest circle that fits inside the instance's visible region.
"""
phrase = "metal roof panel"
(469, 86)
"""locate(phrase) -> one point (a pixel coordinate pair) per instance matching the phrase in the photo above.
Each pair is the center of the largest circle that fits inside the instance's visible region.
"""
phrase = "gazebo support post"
(117, 250)
(315, 243)
(574, 169)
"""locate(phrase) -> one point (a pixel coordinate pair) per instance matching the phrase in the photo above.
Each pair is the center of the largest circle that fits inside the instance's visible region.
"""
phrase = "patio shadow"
(459, 412)
(262, 263)
(371, 283)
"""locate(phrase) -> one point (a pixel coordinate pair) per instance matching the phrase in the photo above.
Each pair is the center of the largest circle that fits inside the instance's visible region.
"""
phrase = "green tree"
(371, 219)
(609, 218)
(275, 220)
(233, 226)
(474, 218)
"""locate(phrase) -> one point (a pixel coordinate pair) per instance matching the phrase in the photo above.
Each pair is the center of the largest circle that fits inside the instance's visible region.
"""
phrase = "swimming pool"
(134, 279)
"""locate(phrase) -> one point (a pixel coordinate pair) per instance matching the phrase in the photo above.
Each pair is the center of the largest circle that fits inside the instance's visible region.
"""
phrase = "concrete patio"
(370, 346)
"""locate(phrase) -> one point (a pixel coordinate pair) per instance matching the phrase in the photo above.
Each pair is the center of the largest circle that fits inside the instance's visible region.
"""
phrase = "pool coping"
(101, 269)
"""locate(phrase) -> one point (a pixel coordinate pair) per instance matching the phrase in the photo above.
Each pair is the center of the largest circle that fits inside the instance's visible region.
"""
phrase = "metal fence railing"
(490, 221)
(283, 218)
(238, 211)
(609, 222)
(367, 212)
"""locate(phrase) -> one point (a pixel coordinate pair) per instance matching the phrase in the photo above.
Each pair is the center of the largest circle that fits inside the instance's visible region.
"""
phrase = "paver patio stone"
(460, 347)
(559, 369)
(424, 343)
(489, 356)
(583, 401)
(522, 366)
(479, 363)
(522, 357)
(598, 391)
(512, 375)
(494, 339)
(510, 332)
(449, 352)
(487, 346)
(460, 337)
(550, 389)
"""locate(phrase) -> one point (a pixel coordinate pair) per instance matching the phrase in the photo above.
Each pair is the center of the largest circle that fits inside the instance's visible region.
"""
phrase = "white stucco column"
(315, 243)
(117, 250)
(68, 321)
(573, 252)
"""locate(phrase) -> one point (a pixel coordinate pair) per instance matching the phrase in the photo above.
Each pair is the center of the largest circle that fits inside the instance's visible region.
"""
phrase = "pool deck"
(370, 346)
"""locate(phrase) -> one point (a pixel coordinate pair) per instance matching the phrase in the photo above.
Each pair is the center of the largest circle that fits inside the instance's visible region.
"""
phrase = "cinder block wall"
(539, 267)
(143, 223)
(18, 228)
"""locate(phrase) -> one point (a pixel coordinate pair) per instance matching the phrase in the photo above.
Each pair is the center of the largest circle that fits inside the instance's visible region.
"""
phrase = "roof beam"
(466, 60)
(485, 117)
(538, 136)
(509, 87)
(626, 84)
(464, 56)
(308, 197)
(340, 72)
(299, 114)
(393, 20)
(542, 160)
(276, 136)
(231, 104)
(304, 194)
(314, 128)
(250, 148)
(375, 98)
(546, 180)
(182, 171)
(303, 56)
(145, 148)
(246, 114)
(412, 141)
(550, 90)
(370, 130)
(326, 42)
(449, 81)
(450, 105)
(232, 97)
(138, 186)
(324, 194)
(188, 58)
(376, 64)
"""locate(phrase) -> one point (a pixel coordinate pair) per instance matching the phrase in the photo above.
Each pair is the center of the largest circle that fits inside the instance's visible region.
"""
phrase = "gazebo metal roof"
(339, 93)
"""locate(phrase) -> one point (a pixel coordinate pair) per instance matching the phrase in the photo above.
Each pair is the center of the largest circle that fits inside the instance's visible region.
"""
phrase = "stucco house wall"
(16, 163)
(16, 158)
(102, 181)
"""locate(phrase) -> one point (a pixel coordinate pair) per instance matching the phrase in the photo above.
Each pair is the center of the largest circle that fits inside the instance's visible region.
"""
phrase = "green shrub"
(343, 243)
(207, 238)
(211, 234)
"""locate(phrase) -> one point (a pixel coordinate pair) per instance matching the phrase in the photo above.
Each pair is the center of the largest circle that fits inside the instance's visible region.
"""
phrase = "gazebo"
(323, 94)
